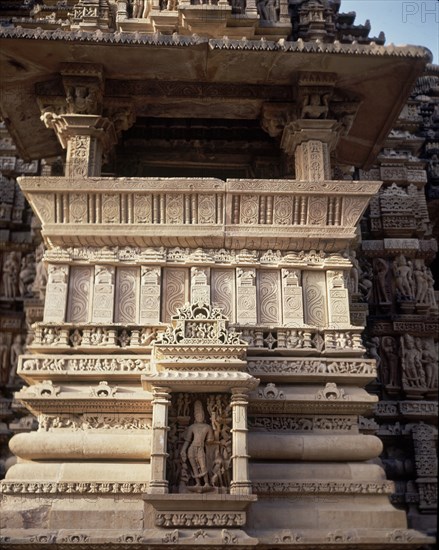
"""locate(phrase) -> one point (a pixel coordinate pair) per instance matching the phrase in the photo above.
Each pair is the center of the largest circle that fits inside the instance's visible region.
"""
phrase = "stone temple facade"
(219, 322)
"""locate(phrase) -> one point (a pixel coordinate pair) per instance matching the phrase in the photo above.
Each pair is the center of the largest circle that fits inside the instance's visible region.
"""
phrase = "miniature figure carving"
(197, 437)
(81, 100)
(315, 105)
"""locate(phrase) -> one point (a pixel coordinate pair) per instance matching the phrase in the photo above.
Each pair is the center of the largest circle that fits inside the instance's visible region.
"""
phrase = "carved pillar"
(77, 118)
(292, 297)
(311, 142)
(103, 294)
(240, 484)
(56, 294)
(338, 299)
(86, 138)
(160, 404)
(200, 288)
(246, 296)
(150, 295)
(311, 137)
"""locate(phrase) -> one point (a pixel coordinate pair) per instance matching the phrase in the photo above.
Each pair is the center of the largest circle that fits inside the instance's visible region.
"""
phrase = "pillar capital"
(303, 130)
(86, 138)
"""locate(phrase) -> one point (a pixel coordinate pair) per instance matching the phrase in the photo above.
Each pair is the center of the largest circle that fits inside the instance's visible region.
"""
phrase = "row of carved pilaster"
(107, 294)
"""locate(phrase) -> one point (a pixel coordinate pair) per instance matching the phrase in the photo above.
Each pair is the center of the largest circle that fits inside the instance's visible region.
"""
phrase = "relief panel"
(269, 297)
(126, 295)
(223, 291)
(175, 291)
(79, 294)
(314, 285)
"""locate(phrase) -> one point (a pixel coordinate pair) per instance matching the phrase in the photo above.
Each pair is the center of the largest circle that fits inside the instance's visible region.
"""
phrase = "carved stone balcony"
(270, 214)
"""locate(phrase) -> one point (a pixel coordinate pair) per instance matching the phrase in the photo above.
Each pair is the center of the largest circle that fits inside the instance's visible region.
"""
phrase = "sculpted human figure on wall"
(16, 351)
(197, 437)
(413, 373)
(381, 268)
(372, 347)
(268, 10)
(40, 280)
(429, 361)
(81, 100)
(141, 8)
(365, 284)
(27, 275)
(403, 272)
(354, 274)
(421, 282)
(389, 361)
(4, 355)
(315, 105)
(11, 269)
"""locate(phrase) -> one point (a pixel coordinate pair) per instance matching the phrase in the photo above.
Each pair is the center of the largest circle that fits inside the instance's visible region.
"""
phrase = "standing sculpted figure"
(4, 354)
(390, 360)
(197, 437)
(430, 363)
(411, 362)
(421, 282)
(40, 281)
(355, 272)
(27, 275)
(11, 269)
(381, 268)
(403, 271)
(16, 351)
(365, 284)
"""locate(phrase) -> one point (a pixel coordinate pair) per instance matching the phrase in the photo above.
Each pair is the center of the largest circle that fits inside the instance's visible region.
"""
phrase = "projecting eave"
(381, 77)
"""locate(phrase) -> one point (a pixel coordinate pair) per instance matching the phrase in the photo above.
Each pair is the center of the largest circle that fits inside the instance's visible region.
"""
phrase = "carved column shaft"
(312, 161)
(310, 141)
(160, 404)
(240, 484)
